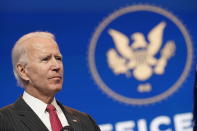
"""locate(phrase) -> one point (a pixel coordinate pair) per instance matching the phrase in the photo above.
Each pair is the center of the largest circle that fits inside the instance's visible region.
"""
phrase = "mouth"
(56, 77)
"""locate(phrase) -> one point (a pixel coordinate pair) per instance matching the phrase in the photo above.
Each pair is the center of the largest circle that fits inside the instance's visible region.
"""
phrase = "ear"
(21, 69)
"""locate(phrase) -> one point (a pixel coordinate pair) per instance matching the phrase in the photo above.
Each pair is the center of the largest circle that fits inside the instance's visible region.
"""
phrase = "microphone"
(67, 128)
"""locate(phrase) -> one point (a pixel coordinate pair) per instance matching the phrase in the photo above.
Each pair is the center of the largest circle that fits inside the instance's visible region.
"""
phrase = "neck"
(46, 98)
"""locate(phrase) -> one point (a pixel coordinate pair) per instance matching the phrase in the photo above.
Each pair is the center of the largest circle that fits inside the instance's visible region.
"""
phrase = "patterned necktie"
(55, 122)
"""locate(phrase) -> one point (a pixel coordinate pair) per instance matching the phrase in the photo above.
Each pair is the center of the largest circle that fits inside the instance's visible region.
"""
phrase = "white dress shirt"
(39, 107)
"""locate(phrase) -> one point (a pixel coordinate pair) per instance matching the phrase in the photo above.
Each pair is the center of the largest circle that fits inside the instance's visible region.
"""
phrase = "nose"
(56, 65)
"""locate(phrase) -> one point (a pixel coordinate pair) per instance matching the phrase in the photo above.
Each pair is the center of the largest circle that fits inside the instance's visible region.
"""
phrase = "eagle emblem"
(138, 59)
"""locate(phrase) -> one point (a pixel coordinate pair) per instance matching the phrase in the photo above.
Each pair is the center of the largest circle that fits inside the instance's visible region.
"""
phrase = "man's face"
(44, 68)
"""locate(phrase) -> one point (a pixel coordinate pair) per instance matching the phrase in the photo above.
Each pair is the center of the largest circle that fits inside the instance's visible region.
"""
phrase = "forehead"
(40, 45)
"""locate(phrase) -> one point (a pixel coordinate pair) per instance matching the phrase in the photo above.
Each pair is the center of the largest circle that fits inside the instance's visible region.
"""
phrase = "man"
(38, 68)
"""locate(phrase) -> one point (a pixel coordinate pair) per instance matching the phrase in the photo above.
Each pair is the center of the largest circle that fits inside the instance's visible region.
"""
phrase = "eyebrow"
(49, 54)
(60, 55)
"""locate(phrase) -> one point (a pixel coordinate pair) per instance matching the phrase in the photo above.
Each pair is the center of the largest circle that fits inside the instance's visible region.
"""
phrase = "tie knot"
(50, 108)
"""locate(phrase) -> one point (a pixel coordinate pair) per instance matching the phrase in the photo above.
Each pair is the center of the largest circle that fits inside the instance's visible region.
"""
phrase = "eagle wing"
(122, 43)
(116, 62)
(155, 38)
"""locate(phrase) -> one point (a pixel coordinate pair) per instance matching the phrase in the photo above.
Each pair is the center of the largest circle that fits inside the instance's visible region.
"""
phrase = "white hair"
(19, 52)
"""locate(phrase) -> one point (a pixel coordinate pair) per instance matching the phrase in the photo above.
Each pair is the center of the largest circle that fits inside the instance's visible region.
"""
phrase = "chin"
(58, 88)
(55, 87)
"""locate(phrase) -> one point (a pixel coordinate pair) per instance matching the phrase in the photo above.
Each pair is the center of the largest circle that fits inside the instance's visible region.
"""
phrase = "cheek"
(38, 73)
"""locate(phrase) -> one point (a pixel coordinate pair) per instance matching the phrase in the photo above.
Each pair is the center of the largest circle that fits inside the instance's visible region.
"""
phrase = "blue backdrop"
(81, 29)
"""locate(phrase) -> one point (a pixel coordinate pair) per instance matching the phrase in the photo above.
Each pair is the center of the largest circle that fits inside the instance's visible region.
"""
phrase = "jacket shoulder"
(5, 117)
(5, 108)
(5, 111)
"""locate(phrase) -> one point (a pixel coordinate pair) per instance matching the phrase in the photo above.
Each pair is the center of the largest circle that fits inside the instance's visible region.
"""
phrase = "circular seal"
(140, 54)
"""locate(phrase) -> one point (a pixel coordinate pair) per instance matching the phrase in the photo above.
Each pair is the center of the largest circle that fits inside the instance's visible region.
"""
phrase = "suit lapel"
(31, 121)
(27, 116)
(72, 120)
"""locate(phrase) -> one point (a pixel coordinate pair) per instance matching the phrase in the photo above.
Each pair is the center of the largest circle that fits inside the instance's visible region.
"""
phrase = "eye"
(46, 58)
(58, 58)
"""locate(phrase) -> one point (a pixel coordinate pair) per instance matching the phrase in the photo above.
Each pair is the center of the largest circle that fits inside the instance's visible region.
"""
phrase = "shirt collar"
(36, 104)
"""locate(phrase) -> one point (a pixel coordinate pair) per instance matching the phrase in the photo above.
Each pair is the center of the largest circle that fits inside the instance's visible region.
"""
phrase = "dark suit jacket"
(20, 117)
